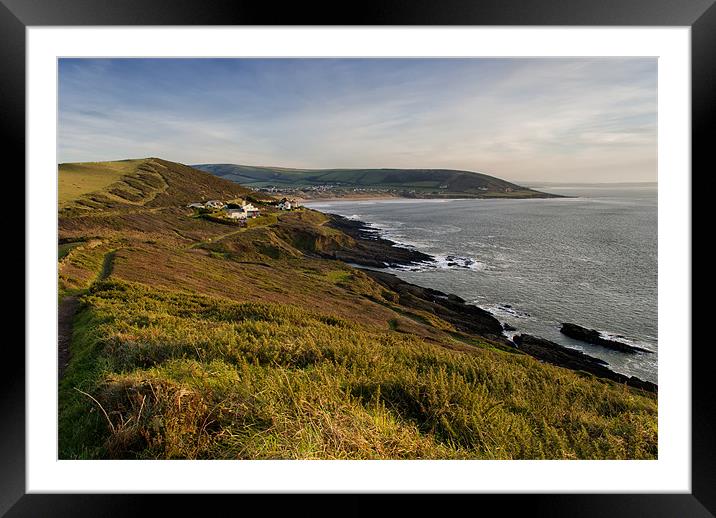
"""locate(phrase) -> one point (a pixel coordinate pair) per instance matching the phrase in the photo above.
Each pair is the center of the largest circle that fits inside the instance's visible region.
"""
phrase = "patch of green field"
(336, 276)
(77, 179)
(262, 220)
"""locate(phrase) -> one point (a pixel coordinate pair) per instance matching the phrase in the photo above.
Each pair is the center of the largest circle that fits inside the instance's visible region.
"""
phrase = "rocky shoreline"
(371, 249)
(556, 354)
(465, 317)
(374, 251)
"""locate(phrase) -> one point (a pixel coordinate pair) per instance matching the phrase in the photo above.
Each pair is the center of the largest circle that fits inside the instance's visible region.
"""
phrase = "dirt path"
(219, 237)
(65, 317)
(107, 265)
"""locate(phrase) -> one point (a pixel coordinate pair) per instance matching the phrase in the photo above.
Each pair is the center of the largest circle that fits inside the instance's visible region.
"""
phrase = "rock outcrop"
(370, 249)
(592, 336)
(451, 308)
(556, 354)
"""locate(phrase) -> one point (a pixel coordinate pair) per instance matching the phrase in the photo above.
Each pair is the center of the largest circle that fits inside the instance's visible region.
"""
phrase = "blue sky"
(524, 119)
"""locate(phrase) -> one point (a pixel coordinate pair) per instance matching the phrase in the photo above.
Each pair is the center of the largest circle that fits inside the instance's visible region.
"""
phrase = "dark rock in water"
(452, 264)
(509, 306)
(592, 336)
(508, 327)
(556, 354)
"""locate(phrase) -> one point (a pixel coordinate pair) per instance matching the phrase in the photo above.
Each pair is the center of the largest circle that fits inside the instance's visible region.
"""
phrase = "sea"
(589, 258)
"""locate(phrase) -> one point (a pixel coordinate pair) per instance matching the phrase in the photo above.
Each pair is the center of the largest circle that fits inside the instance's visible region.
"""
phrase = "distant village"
(327, 190)
(237, 210)
(320, 189)
(310, 188)
(323, 191)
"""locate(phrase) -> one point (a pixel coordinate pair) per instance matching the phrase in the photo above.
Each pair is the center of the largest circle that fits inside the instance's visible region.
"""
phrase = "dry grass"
(198, 377)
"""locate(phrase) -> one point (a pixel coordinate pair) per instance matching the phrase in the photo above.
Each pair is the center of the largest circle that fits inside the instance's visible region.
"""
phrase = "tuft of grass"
(338, 276)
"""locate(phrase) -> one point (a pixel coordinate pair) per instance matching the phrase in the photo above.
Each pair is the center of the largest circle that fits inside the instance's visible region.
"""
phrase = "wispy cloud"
(522, 119)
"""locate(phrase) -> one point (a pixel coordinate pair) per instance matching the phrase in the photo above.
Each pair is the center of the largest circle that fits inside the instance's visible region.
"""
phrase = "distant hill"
(144, 182)
(404, 182)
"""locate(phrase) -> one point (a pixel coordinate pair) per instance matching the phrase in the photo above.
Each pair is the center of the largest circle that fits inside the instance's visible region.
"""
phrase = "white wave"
(504, 310)
(446, 262)
(510, 335)
(629, 341)
(454, 262)
(444, 229)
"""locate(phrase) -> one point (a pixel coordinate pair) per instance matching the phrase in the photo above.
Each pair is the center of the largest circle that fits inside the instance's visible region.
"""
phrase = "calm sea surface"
(590, 260)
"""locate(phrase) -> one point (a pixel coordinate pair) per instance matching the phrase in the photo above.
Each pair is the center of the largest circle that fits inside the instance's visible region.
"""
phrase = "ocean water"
(590, 259)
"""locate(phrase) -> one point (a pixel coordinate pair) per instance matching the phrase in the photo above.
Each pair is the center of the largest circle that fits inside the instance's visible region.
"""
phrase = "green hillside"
(197, 340)
(417, 182)
(135, 184)
(80, 179)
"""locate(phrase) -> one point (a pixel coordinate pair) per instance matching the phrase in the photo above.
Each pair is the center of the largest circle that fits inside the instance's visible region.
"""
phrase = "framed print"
(425, 250)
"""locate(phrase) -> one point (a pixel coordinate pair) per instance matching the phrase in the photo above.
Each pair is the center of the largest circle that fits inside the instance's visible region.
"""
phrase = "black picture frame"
(700, 15)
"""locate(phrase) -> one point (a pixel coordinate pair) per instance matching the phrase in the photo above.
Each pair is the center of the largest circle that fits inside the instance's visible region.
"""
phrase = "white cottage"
(214, 204)
(250, 210)
(236, 214)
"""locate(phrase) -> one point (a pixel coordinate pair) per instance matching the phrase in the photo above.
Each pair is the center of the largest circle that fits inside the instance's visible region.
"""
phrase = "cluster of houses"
(297, 190)
(231, 210)
(238, 209)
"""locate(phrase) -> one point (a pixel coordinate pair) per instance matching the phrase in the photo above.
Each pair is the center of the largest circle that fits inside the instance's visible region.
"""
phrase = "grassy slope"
(444, 181)
(196, 340)
(77, 180)
(137, 184)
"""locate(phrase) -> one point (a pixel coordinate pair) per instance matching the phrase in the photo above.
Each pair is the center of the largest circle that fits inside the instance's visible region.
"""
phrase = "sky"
(520, 119)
